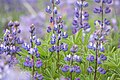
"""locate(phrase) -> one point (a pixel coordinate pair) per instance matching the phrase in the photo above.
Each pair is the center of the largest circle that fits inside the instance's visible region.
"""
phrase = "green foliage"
(50, 71)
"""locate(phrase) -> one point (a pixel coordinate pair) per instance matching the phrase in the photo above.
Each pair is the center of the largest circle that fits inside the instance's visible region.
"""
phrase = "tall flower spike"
(97, 39)
(81, 17)
(57, 28)
(33, 52)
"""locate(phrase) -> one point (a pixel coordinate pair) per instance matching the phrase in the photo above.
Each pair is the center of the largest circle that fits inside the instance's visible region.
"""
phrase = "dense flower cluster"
(71, 58)
(11, 39)
(57, 36)
(81, 17)
(32, 50)
(11, 42)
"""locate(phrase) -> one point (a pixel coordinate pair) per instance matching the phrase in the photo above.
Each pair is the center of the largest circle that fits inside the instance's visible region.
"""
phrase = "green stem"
(96, 59)
(33, 68)
(58, 54)
(71, 75)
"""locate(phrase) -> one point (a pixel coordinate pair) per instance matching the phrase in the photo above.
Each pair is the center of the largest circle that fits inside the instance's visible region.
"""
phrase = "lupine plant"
(98, 38)
(11, 42)
(33, 59)
(56, 28)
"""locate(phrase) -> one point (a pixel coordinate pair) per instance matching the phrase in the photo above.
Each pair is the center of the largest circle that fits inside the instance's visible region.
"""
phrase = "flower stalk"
(96, 60)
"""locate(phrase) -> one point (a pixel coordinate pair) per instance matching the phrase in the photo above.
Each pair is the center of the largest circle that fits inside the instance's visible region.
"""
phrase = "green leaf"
(113, 77)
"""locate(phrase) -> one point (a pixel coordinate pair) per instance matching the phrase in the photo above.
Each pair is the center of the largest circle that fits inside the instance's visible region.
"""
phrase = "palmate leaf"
(111, 65)
(43, 52)
(68, 41)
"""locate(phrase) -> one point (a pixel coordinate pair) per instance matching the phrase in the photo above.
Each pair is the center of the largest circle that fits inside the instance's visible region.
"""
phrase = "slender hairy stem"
(96, 59)
(33, 69)
(81, 22)
(58, 54)
(71, 64)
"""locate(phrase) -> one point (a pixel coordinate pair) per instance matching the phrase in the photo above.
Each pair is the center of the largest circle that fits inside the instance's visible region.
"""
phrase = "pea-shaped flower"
(90, 58)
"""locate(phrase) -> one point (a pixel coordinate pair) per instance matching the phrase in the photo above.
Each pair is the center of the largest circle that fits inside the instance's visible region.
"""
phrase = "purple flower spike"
(101, 48)
(49, 29)
(26, 64)
(52, 1)
(104, 1)
(37, 42)
(78, 4)
(57, 2)
(74, 31)
(97, 10)
(48, 10)
(51, 20)
(107, 22)
(65, 68)
(101, 70)
(58, 48)
(103, 57)
(77, 69)
(107, 10)
(68, 58)
(74, 49)
(86, 26)
(97, 1)
(90, 45)
(86, 14)
(16, 23)
(77, 58)
(10, 24)
(75, 22)
(72, 69)
(90, 58)
(53, 41)
(99, 61)
(77, 79)
(37, 55)
(52, 49)
(109, 1)
(65, 35)
(40, 77)
(38, 63)
(85, 4)
(90, 69)
(31, 51)
(64, 47)
(55, 10)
